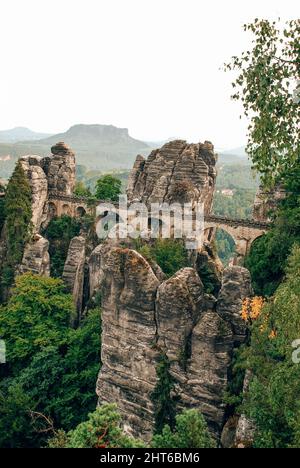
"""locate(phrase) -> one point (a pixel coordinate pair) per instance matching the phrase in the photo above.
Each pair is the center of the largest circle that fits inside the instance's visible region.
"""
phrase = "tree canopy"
(109, 188)
(269, 254)
(81, 190)
(35, 316)
(273, 398)
(2, 209)
(49, 380)
(190, 432)
(268, 75)
(101, 430)
(18, 213)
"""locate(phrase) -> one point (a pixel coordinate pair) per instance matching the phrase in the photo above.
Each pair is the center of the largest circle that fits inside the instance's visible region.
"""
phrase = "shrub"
(164, 403)
(101, 430)
(169, 254)
(190, 432)
(108, 188)
(81, 190)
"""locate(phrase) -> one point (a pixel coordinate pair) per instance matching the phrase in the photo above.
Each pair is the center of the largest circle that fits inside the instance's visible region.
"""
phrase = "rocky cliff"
(144, 314)
(55, 173)
(144, 318)
(50, 174)
(266, 202)
(74, 272)
(177, 172)
(36, 257)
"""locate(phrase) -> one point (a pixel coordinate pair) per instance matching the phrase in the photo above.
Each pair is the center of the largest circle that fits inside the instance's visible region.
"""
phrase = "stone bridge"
(71, 205)
(243, 231)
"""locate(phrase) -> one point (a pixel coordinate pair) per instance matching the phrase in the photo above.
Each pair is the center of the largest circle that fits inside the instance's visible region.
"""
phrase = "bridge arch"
(225, 245)
(52, 210)
(243, 232)
(67, 209)
(80, 212)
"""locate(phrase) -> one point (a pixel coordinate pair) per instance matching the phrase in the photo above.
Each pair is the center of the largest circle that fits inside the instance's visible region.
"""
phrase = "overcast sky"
(152, 66)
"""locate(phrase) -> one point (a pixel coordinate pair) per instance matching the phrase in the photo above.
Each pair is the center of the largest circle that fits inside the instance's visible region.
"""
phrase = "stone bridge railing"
(67, 198)
(75, 199)
(232, 222)
(71, 205)
(243, 231)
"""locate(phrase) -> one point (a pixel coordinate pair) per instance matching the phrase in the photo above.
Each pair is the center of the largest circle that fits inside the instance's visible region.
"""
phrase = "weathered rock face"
(229, 432)
(176, 172)
(245, 430)
(236, 285)
(179, 304)
(74, 270)
(128, 374)
(207, 370)
(36, 257)
(61, 169)
(209, 268)
(198, 343)
(266, 202)
(144, 317)
(55, 173)
(34, 169)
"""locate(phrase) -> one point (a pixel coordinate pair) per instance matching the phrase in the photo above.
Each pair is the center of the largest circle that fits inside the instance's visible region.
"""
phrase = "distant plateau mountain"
(97, 147)
(101, 147)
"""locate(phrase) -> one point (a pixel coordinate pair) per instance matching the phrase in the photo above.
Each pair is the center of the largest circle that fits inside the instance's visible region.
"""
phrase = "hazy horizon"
(150, 66)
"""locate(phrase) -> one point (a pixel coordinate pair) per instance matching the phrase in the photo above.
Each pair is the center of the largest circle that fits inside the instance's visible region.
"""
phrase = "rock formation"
(266, 202)
(128, 353)
(144, 317)
(178, 171)
(55, 173)
(74, 271)
(209, 268)
(245, 430)
(192, 319)
(61, 169)
(46, 174)
(34, 169)
(36, 257)
(236, 285)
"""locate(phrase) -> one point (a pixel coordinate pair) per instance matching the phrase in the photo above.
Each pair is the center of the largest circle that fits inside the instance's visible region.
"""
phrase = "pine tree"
(18, 215)
(2, 215)
(164, 401)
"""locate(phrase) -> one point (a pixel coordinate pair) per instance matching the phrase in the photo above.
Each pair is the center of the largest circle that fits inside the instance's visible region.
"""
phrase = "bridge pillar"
(242, 249)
